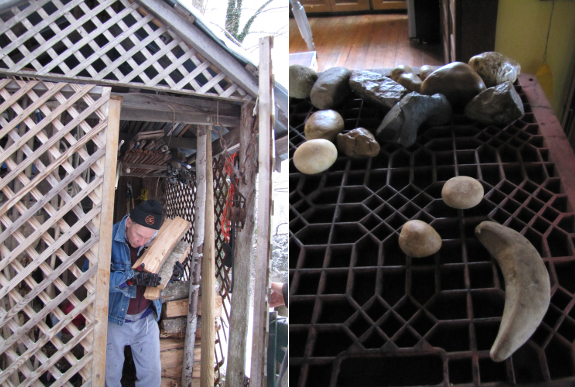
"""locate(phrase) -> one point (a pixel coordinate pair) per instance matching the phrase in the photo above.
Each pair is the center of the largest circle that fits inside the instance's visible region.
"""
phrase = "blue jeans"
(143, 336)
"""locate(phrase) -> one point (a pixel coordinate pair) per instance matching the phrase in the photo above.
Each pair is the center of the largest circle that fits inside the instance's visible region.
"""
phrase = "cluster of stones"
(482, 90)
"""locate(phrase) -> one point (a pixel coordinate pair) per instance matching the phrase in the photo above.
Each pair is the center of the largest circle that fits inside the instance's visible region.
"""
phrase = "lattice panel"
(111, 42)
(180, 201)
(52, 145)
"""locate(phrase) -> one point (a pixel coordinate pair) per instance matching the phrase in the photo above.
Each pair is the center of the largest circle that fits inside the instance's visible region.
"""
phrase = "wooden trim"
(197, 39)
(208, 277)
(388, 4)
(235, 372)
(197, 252)
(261, 287)
(105, 244)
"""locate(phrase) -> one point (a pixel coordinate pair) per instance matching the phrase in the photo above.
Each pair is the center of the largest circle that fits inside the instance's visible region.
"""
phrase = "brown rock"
(301, 80)
(418, 239)
(331, 88)
(410, 81)
(425, 70)
(458, 82)
(398, 70)
(358, 143)
(323, 124)
(495, 68)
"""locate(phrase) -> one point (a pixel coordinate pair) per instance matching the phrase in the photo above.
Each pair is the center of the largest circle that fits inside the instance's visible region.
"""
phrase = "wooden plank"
(179, 253)
(166, 344)
(235, 372)
(174, 372)
(208, 275)
(192, 334)
(175, 357)
(180, 308)
(177, 290)
(175, 325)
(263, 219)
(169, 234)
(105, 244)
(209, 49)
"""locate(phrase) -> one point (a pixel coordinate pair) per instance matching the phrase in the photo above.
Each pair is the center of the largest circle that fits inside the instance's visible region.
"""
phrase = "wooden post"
(105, 244)
(208, 276)
(197, 252)
(235, 373)
(261, 288)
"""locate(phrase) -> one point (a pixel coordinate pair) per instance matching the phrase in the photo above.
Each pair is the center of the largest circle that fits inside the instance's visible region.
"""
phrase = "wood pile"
(173, 331)
(146, 153)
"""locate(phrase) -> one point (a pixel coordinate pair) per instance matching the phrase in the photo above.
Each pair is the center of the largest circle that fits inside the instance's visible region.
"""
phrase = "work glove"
(146, 279)
(178, 271)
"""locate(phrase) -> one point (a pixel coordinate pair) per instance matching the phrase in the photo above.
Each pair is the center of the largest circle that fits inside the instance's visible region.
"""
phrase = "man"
(132, 319)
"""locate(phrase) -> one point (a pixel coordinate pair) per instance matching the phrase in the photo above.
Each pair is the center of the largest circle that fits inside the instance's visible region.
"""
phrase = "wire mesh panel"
(364, 314)
(180, 200)
(52, 145)
(112, 42)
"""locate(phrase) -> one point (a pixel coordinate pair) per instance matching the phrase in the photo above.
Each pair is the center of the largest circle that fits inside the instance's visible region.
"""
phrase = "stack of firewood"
(173, 331)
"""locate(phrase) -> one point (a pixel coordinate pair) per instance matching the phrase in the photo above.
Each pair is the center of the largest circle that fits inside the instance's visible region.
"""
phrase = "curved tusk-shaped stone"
(527, 287)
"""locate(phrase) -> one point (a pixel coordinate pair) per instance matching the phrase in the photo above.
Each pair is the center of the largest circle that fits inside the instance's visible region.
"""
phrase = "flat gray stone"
(400, 125)
(331, 88)
(495, 68)
(377, 88)
(496, 105)
(357, 143)
(301, 80)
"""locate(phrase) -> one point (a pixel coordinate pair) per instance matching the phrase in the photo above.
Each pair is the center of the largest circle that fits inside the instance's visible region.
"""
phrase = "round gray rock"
(358, 143)
(301, 80)
(325, 124)
(495, 68)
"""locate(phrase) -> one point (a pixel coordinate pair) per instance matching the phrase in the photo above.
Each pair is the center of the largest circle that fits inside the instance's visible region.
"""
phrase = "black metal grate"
(364, 314)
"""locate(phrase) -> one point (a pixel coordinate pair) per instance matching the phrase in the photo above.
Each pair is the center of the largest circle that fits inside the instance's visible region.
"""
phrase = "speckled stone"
(495, 68)
(377, 88)
(497, 105)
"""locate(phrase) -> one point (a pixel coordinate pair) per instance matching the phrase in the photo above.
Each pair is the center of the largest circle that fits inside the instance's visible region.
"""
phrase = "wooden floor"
(364, 42)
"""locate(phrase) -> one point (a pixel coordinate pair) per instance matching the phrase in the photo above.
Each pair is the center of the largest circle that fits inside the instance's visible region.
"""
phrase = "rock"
(462, 192)
(398, 70)
(458, 82)
(497, 105)
(495, 68)
(358, 143)
(401, 123)
(331, 88)
(425, 70)
(410, 81)
(323, 124)
(418, 239)
(315, 156)
(301, 80)
(377, 88)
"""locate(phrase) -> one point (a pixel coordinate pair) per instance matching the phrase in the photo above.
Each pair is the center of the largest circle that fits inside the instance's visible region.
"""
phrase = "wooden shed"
(79, 78)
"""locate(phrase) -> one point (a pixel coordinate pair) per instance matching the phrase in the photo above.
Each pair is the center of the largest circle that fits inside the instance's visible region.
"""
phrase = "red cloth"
(138, 304)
